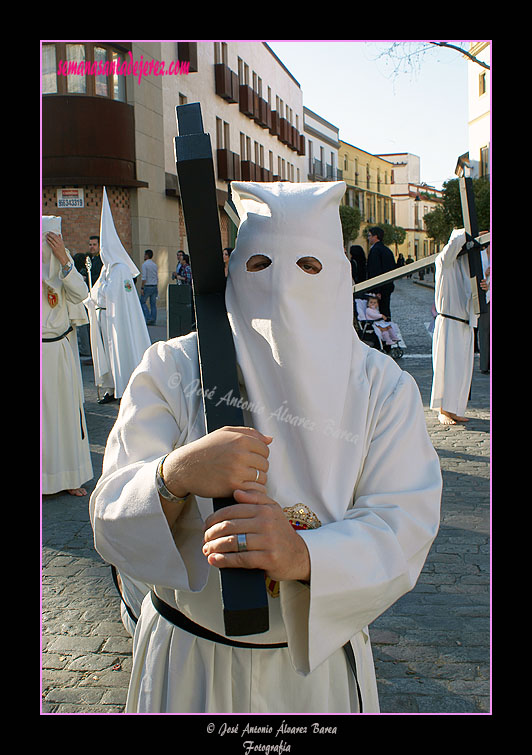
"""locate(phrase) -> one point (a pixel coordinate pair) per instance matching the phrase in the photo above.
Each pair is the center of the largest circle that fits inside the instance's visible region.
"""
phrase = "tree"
(438, 224)
(393, 234)
(441, 221)
(350, 219)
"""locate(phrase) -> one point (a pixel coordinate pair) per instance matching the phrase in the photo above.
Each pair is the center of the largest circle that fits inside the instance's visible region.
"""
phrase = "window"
(101, 82)
(484, 161)
(119, 83)
(227, 138)
(85, 69)
(49, 70)
(220, 52)
(76, 84)
(222, 134)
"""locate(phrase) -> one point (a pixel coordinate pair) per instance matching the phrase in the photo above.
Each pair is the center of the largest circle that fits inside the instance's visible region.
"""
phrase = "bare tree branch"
(464, 52)
(405, 57)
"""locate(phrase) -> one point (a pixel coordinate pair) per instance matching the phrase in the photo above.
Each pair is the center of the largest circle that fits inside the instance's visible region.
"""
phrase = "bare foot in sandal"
(448, 418)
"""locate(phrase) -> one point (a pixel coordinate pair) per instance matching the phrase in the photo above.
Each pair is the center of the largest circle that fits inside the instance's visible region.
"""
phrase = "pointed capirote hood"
(112, 250)
(295, 342)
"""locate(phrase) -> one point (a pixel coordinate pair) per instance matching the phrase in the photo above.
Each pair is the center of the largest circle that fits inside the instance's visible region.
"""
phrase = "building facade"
(322, 147)
(103, 128)
(412, 200)
(369, 183)
(479, 107)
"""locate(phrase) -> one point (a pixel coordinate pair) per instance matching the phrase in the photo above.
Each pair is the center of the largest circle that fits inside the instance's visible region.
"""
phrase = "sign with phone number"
(70, 198)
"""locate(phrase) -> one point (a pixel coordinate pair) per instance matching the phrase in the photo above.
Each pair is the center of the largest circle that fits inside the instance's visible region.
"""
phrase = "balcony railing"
(320, 171)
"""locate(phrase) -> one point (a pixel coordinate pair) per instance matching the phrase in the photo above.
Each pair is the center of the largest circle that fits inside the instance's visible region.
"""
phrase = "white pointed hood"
(295, 341)
(112, 250)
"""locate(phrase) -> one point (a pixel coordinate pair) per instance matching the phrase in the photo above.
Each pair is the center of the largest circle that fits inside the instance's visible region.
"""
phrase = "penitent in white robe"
(452, 340)
(360, 564)
(119, 336)
(66, 461)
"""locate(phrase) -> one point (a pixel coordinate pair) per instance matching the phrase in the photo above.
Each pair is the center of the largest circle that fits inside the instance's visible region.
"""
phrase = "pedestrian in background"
(178, 271)
(186, 272)
(358, 269)
(226, 254)
(96, 264)
(380, 261)
(148, 287)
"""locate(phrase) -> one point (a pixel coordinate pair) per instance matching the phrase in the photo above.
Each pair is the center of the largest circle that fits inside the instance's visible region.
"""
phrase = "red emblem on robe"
(52, 298)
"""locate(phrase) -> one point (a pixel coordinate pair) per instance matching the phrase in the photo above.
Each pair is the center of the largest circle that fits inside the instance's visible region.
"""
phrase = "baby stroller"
(368, 332)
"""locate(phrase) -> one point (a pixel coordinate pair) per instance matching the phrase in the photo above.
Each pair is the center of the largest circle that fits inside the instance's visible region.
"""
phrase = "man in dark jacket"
(380, 261)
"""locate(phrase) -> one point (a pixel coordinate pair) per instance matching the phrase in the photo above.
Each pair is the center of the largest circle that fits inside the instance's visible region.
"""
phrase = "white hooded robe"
(376, 489)
(453, 340)
(119, 335)
(66, 461)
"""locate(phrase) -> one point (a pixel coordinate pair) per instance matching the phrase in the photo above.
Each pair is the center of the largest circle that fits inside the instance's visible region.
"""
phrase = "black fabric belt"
(57, 338)
(452, 317)
(179, 619)
(128, 608)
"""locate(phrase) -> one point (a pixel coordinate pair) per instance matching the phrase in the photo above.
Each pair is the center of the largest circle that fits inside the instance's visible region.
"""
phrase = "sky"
(421, 109)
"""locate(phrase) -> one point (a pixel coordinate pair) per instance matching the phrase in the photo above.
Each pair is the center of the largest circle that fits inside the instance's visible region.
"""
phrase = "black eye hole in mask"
(257, 262)
(309, 265)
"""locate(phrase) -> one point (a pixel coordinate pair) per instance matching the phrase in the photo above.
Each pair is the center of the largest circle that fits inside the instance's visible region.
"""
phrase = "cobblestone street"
(431, 649)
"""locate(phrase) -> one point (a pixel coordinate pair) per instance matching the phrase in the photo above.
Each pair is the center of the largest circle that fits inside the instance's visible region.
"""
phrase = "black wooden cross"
(243, 590)
(472, 246)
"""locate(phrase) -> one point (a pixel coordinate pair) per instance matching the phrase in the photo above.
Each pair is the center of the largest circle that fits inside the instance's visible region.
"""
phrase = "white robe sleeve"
(130, 529)
(450, 251)
(360, 566)
(74, 286)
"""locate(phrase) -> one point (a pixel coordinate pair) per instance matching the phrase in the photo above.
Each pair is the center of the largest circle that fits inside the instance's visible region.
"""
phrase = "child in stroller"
(374, 328)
